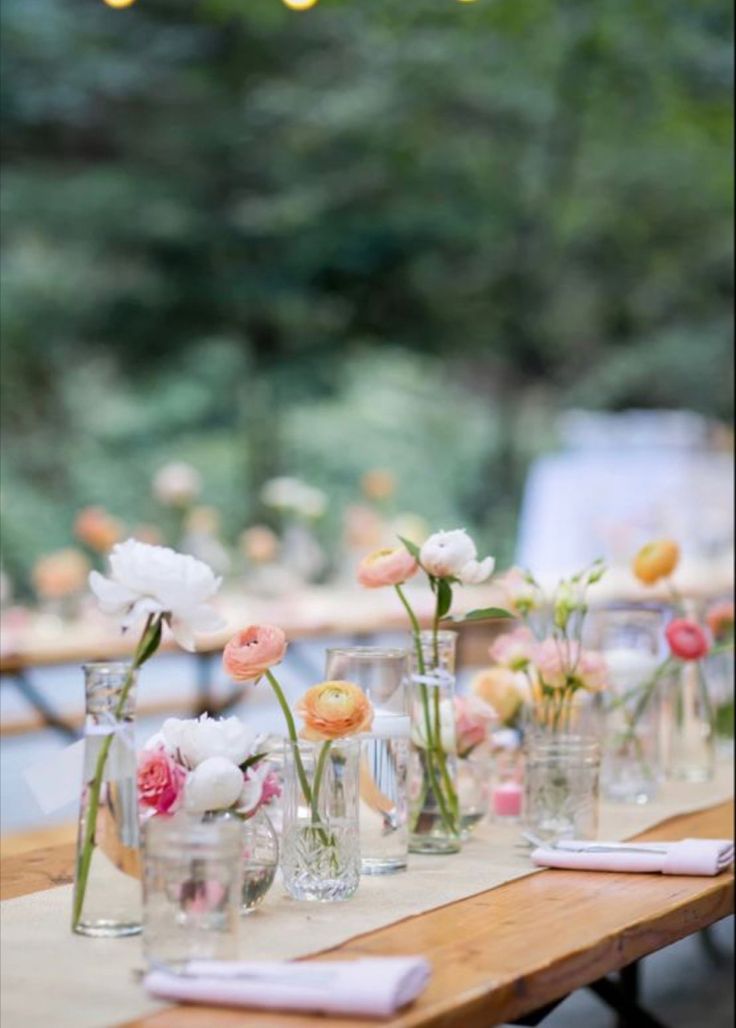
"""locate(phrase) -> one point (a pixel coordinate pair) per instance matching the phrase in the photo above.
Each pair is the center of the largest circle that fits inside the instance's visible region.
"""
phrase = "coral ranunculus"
(160, 780)
(252, 651)
(686, 639)
(334, 710)
(656, 560)
(720, 618)
(386, 567)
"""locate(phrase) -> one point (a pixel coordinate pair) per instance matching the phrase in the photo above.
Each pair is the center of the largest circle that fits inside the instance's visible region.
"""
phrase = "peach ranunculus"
(252, 651)
(563, 665)
(378, 484)
(474, 719)
(98, 529)
(720, 618)
(59, 574)
(513, 649)
(656, 560)
(386, 567)
(160, 780)
(502, 689)
(334, 710)
(259, 544)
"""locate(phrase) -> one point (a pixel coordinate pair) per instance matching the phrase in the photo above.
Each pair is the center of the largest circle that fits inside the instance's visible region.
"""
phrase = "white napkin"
(375, 987)
(687, 857)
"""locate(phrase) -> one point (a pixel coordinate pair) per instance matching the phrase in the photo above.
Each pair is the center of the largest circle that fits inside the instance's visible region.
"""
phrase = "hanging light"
(300, 5)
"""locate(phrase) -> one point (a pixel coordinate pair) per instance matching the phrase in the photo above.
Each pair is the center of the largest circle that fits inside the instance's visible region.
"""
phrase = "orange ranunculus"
(252, 651)
(656, 560)
(378, 484)
(334, 710)
(59, 574)
(386, 567)
(720, 618)
(502, 689)
(98, 529)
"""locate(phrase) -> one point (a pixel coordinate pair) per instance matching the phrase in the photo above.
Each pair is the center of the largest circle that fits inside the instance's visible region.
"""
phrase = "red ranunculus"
(686, 639)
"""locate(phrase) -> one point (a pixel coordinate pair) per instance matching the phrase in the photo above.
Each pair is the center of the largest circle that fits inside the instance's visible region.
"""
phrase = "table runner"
(51, 977)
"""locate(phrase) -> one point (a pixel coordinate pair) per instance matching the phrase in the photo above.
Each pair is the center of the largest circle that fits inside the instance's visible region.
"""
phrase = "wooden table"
(498, 955)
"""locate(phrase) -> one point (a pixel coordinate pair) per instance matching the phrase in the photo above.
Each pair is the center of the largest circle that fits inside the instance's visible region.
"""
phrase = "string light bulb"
(118, 4)
(300, 5)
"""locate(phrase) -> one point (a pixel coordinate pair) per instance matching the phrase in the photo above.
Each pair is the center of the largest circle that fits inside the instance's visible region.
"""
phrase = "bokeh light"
(300, 5)
(119, 4)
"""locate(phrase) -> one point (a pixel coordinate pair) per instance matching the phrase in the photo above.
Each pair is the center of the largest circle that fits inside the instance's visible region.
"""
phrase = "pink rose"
(686, 639)
(160, 780)
(252, 651)
(514, 649)
(386, 567)
(473, 718)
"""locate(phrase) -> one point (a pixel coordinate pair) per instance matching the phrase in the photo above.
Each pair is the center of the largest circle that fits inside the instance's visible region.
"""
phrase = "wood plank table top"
(497, 955)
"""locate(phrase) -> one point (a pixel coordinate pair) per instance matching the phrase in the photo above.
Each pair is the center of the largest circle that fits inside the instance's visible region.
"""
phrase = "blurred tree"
(537, 192)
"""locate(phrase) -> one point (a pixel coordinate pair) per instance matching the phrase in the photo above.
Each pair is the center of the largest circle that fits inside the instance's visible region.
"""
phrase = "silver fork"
(593, 847)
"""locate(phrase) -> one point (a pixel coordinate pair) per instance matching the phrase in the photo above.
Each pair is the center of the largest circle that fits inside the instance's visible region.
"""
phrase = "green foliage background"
(380, 232)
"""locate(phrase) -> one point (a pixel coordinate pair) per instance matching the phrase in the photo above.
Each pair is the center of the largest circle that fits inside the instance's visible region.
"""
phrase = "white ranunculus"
(195, 740)
(447, 725)
(476, 571)
(155, 580)
(215, 784)
(177, 484)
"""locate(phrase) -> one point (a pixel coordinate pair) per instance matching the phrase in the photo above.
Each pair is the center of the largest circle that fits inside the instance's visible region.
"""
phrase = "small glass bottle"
(192, 889)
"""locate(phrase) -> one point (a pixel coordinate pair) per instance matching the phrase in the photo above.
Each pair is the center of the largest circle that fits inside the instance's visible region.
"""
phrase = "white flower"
(177, 484)
(155, 580)
(286, 493)
(476, 571)
(454, 555)
(193, 741)
(252, 791)
(215, 784)
(447, 725)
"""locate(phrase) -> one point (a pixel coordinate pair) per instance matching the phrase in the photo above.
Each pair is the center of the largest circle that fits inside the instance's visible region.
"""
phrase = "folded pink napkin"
(366, 988)
(689, 857)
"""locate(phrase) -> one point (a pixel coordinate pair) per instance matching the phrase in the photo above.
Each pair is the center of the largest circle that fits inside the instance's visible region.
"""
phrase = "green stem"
(291, 728)
(416, 630)
(142, 652)
(318, 780)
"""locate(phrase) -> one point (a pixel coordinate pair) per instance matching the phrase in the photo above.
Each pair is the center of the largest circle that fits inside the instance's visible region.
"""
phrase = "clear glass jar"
(382, 674)
(507, 790)
(689, 724)
(629, 640)
(474, 789)
(434, 807)
(320, 849)
(260, 854)
(107, 891)
(192, 889)
(561, 785)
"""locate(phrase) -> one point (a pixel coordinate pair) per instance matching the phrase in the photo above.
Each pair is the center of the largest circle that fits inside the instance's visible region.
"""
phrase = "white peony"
(215, 784)
(177, 484)
(454, 555)
(252, 791)
(147, 580)
(192, 741)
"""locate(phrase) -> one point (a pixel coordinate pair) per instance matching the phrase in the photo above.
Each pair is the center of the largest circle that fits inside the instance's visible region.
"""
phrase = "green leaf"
(411, 547)
(484, 614)
(256, 758)
(444, 597)
(148, 644)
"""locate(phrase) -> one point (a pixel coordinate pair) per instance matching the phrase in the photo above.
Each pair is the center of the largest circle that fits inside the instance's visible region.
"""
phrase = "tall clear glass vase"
(107, 888)
(434, 809)
(689, 724)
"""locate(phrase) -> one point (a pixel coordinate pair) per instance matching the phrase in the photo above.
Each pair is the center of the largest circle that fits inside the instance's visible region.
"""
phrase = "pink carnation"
(160, 780)
(514, 649)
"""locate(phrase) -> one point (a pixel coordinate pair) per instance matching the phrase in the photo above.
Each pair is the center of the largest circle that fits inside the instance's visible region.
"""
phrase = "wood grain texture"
(499, 954)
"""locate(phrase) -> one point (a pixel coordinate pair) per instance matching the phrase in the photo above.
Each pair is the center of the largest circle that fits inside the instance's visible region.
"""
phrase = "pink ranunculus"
(252, 651)
(686, 639)
(473, 721)
(271, 788)
(563, 664)
(386, 567)
(160, 780)
(513, 649)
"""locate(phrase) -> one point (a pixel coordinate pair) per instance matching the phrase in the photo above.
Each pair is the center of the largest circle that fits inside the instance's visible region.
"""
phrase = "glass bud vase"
(320, 842)
(689, 724)
(107, 888)
(434, 808)
(260, 853)
(474, 774)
